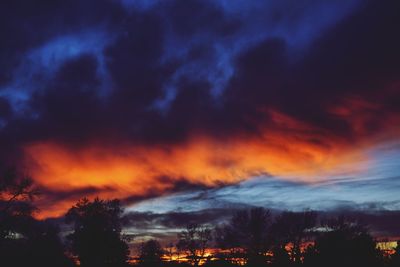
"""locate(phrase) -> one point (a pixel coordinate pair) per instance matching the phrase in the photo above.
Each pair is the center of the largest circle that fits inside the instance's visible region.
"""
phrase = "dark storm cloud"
(358, 56)
(177, 219)
(141, 62)
(188, 18)
(5, 108)
(76, 72)
(381, 223)
(26, 24)
(69, 102)
(177, 185)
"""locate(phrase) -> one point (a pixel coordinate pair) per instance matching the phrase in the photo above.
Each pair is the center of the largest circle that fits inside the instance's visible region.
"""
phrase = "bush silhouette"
(151, 253)
(97, 240)
(344, 243)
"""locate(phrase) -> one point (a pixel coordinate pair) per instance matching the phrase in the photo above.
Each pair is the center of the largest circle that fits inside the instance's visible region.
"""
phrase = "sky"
(187, 110)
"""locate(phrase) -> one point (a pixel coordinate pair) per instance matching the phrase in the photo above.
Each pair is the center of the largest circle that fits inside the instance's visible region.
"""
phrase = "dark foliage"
(395, 258)
(24, 241)
(151, 253)
(39, 246)
(292, 229)
(344, 243)
(97, 240)
(248, 231)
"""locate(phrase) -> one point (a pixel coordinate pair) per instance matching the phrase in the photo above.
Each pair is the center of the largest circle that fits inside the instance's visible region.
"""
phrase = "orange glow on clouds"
(134, 170)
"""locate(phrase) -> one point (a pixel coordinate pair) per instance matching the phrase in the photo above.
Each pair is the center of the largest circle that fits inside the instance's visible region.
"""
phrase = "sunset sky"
(187, 110)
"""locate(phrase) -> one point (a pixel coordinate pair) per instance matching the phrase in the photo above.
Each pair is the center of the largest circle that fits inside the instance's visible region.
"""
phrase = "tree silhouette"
(151, 253)
(248, 230)
(46, 249)
(194, 240)
(97, 240)
(39, 245)
(16, 195)
(25, 241)
(343, 243)
(395, 258)
(292, 229)
(169, 251)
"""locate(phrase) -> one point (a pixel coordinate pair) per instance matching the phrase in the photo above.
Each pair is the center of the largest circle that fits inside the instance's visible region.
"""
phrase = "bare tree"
(293, 228)
(249, 231)
(15, 189)
(194, 240)
(16, 195)
(169, 250)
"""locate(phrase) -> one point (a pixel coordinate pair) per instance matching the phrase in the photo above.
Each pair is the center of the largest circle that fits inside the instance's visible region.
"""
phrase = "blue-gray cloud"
(375, 187)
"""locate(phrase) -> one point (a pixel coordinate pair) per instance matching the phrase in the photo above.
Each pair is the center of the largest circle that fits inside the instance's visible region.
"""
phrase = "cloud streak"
(144, 100)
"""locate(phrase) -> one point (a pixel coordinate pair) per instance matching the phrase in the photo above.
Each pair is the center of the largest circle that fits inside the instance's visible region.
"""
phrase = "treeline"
(255, 238)
(251, 237)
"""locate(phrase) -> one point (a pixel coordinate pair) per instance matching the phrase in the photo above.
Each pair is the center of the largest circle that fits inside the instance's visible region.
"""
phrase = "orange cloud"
(135, 170)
